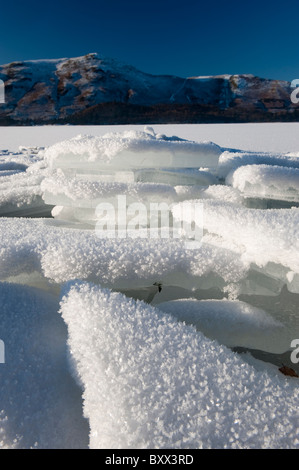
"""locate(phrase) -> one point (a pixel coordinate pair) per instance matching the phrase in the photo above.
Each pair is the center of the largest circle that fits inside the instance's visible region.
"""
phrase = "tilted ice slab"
(132, 150)
(232, 322)
(265, 240)
(20, 193)
(170, 176)
(60, 254)
(73, 192)
(260, 236)
(79, 200)
(41, 404)
(266, 181)
(152, 382)
(21, 175)
(231, 160)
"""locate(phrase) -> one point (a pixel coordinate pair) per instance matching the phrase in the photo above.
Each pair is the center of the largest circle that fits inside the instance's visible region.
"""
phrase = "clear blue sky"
(184, 38)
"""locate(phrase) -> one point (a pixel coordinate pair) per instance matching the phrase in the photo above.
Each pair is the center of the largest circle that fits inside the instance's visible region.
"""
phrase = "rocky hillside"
(95, 90)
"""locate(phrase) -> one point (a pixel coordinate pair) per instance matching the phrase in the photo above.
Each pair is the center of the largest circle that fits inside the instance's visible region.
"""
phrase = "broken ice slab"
(231, 322)
(78, 193)
(172, 176)
(129, 219)
(73, 192)
(121, 176)
(35, 208)
(266, 181)
(176, 176)
(131, 150)
(232, 160)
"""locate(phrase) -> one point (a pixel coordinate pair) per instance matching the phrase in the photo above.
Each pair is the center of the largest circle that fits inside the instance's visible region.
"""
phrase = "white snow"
(152, 382)
(41, 405)
(266, 181)
(131, 149)
(86, 366)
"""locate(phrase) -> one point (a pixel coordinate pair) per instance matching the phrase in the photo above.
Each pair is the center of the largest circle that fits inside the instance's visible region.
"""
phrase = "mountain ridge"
(92, 89)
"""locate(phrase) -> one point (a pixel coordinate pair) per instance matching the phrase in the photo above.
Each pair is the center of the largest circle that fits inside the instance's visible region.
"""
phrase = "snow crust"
(131, 149)
(152, 382)
(266, 181)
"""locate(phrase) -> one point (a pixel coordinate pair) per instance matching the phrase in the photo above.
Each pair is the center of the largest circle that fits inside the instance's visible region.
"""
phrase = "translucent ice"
(233, 323)
(132, 149)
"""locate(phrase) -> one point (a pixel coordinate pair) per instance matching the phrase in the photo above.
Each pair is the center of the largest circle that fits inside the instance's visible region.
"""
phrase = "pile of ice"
(144, 166)
(232, 188)
(164, 375)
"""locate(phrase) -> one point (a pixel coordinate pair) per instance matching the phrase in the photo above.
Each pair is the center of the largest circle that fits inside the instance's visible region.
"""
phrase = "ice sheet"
(232, 322)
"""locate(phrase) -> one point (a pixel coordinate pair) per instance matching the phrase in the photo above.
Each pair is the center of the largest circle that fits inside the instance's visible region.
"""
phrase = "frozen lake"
(272, 137)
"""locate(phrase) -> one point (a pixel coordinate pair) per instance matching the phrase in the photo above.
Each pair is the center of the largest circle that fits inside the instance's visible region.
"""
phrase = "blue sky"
(184, 38)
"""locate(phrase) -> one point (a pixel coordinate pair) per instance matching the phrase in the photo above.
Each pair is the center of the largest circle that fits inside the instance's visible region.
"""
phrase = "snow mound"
(152, 382)
(41, 405)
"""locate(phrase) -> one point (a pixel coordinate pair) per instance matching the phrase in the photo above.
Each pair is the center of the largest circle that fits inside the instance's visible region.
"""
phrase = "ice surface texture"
(266, 181)
(41, 405)
(152, 382)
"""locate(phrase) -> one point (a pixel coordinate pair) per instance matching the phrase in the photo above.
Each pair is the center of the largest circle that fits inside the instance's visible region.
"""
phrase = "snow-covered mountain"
(96, 90)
